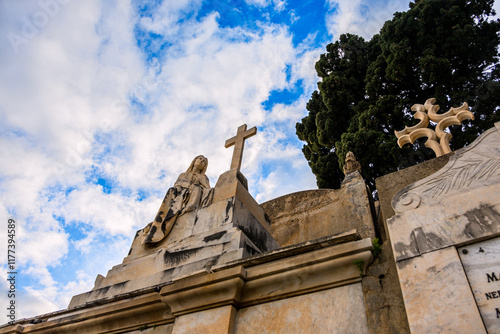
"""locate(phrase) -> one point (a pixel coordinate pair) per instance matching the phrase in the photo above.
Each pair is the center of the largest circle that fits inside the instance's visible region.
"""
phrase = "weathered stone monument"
(444, 233)
(423, 259)
(196, 228)
(210, 262)
(447, 270)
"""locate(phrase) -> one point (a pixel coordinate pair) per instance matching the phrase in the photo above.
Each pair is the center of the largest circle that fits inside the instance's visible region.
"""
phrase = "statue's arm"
(182, 182)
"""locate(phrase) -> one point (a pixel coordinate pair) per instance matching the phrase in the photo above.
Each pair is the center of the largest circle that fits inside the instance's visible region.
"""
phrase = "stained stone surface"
(385, 308)
(312, 214)
(164, 329)
(388, 185)
(315, 213)
(233, 227)
(339, 310)
(458, 205)
(292, 278)
(481, 263)
(474, 167)
(212, 321)
(437, 295)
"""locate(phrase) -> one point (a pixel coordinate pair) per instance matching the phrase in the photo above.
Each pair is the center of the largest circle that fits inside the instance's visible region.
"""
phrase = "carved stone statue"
(351, 164)
(190, 191)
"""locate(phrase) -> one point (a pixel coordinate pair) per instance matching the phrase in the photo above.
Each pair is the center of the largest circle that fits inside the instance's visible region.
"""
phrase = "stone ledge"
(325, 263)
(156, 279)
(310, 271)
(299, 248)
(147, 309)
(222, 293)
(318, 270)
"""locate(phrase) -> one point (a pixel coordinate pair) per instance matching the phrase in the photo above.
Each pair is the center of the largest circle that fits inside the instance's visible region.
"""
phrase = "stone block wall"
(308, 215)
(313, 214)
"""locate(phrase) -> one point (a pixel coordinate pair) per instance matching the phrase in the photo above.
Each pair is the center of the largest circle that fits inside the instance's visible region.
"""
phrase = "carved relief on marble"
(477, 164)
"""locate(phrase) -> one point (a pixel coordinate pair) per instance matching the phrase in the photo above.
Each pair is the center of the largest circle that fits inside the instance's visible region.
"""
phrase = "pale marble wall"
(457, 206)
(481, 263)
(211, 321)
(339, 310)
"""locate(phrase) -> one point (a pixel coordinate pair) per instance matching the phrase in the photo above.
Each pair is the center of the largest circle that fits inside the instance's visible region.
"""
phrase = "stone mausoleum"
(425, 258)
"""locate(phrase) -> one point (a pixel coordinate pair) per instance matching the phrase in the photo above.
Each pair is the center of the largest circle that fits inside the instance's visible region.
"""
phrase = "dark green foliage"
(359, 263)
(447, 49)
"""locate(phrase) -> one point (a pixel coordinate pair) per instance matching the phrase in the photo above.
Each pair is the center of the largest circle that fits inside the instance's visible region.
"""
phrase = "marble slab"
(339, 310)
(481, 262)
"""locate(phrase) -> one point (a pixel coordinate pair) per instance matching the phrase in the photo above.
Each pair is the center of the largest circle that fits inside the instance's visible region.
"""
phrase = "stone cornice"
(291, 271)
(130, 313)
(292, 275)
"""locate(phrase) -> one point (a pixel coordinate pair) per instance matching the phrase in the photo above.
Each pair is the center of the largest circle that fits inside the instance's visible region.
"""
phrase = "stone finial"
(454, 116)
(351, 164)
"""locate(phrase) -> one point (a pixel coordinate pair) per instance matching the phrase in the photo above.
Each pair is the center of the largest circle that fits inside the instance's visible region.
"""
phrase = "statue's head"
(201, 162)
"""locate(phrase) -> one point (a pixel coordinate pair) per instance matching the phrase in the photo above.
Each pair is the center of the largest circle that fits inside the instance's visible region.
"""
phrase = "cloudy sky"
(103, 103)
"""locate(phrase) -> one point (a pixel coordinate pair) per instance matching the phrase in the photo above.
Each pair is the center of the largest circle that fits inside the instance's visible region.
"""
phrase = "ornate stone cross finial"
(351, 164)
(239, 142)
(454, 116)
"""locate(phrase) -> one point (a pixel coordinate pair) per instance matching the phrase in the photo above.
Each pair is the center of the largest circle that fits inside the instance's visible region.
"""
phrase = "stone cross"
(439, 140)
(239, 142)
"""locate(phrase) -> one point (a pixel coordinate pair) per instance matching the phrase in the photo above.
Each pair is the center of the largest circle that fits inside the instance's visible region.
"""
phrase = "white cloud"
(278, 5)
(67, 118)
(496, 7)
(114, 213)
(360, 17)
(277, 183)
(166, 16)
(55, 95)
(35, 251)
(34, 301)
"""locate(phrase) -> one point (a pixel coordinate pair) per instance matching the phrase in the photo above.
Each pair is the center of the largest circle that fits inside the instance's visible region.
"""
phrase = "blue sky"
(104, 103)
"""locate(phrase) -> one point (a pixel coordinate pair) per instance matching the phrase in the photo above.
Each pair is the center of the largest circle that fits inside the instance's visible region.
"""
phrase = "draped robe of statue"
(190, 191)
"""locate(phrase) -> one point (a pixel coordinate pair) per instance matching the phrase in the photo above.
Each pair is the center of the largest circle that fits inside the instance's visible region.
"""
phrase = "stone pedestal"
(293, 289)
(233, 227)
